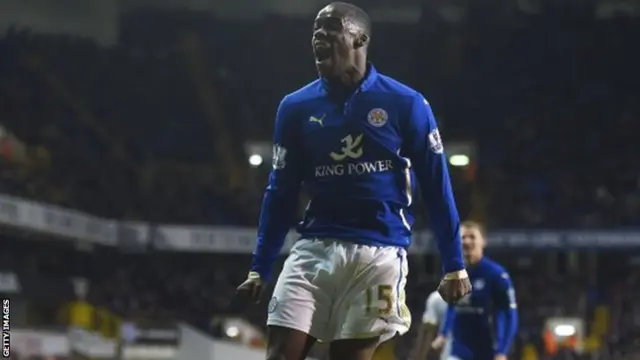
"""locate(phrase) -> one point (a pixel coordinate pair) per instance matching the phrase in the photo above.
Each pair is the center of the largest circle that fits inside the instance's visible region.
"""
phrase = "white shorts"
(333, 289)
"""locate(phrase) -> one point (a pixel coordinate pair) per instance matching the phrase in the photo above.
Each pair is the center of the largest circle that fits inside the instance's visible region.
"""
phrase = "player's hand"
(454, 286)
(438, 343)
(252, 288)
(500, 357)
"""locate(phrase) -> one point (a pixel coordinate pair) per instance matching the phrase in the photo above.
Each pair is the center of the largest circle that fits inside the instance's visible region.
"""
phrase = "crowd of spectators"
(154, 129)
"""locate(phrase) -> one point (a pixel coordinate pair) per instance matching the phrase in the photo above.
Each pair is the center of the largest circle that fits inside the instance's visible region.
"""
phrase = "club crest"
(377, 117)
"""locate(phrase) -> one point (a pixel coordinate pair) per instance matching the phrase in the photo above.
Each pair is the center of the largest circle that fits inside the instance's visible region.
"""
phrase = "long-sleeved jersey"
(357, 159)
(485, 323)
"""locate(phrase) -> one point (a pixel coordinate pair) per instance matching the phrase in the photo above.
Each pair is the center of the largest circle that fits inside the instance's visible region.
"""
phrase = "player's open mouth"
(322, 51)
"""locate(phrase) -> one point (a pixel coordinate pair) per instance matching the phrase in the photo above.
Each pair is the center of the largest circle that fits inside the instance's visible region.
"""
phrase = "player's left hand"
(500, 357)
(252, 287)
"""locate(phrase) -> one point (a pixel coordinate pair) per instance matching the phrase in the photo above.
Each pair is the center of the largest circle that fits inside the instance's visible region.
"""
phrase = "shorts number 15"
(379, 301)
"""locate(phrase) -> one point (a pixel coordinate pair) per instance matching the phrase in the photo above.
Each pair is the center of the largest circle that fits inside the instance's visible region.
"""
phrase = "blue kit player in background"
(353, 140)
(484, 324)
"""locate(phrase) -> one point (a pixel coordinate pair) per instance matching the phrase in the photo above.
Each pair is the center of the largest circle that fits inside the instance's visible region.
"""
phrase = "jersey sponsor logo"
(377, 117)
(352, 148)
(319, 120)
(279, 157)
(435, 142)
(360, 168)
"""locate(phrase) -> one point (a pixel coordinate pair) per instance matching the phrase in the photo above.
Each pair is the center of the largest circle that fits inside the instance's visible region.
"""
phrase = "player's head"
(473, 240)
(341, 35)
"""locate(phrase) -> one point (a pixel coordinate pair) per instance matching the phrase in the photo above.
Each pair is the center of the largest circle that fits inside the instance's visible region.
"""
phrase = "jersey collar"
(370, 77)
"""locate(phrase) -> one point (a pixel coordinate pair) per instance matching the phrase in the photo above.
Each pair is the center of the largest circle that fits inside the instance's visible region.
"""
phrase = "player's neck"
(351, 78)
(473, 260)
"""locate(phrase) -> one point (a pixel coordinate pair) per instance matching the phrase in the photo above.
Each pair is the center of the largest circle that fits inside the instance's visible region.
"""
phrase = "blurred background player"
(353, 138)
(435, 312)
(484, 324)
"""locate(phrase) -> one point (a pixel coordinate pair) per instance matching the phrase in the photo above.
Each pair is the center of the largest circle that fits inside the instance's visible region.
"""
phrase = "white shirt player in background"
(427, 340)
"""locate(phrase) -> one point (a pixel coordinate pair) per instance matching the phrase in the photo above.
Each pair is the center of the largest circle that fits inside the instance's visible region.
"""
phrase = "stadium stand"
(153, 131)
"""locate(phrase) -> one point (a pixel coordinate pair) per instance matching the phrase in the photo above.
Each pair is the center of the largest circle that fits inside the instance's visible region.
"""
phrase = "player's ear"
(360, 41)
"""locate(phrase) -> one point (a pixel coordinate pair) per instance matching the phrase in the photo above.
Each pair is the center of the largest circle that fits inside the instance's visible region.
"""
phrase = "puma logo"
(317, 120)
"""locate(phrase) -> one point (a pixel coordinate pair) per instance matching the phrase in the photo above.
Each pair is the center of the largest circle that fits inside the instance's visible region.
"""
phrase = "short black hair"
(355, 14)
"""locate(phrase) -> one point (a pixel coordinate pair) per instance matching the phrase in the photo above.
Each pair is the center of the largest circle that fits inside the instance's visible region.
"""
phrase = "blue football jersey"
(484, 323)
(357, 160)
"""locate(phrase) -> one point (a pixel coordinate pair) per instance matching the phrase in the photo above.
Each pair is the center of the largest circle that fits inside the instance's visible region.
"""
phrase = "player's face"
(472, 242)
(333, 42)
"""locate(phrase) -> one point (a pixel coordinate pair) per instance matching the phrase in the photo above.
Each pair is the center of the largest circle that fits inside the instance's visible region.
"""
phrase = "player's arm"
(428, 331)
(506, 316)
(281, 196)
(429, 162)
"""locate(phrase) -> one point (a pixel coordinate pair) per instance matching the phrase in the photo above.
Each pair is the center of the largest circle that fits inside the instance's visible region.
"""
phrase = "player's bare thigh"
(356, 349)
(288, 344)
